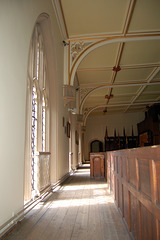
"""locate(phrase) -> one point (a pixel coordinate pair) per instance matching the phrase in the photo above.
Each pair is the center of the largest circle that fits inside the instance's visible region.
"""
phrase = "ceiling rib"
(123, 67)
(152, 75)
(115, 86)
(120, 49)
(129, 16)
(124, 104)
(107, 35)
(121, 46)
(128, 94)
(131, 84)
(118, 105)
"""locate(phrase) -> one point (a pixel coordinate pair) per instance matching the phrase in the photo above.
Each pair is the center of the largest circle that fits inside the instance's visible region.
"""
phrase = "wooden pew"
(134, 177)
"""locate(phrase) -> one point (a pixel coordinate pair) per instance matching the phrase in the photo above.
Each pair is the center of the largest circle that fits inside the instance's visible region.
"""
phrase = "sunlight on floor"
(83, 170)
(89, 186)
(97, 189)
(100, 195)
(78, 202)
(81, 202)
(83, 173)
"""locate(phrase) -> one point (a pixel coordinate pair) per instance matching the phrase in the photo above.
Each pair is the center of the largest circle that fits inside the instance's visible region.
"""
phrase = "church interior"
(80, 119)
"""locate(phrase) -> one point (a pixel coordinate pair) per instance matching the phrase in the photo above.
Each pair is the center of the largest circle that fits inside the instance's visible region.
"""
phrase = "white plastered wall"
(17, 20)
(74, 146)
(96, 127)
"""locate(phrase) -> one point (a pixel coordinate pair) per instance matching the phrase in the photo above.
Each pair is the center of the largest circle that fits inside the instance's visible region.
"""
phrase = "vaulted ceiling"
(123, 76)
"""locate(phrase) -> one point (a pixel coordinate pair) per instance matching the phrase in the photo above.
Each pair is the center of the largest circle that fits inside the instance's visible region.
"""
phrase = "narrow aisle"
(81, 208)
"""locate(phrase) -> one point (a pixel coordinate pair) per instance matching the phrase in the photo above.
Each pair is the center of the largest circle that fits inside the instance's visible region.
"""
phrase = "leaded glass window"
(34, 134)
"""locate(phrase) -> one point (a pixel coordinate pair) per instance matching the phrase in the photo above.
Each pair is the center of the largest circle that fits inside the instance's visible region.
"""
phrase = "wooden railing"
(134, 177)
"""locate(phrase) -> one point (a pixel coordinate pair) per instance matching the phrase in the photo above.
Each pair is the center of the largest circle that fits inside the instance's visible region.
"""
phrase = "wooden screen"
(134, 177)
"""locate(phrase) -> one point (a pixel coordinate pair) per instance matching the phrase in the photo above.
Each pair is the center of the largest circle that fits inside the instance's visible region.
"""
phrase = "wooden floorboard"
(82, 208)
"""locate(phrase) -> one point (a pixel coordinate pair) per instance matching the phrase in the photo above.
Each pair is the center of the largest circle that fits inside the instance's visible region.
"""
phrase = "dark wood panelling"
(144, 177)
(158, 229)
(134, 177)
(126, 205)
(132, 171)
(148, 224)
(158, 181)
(120, 195)
(150, 126)
(134, 217)
(124, 168)
(121, 142)
(97, 165)
(116, 191)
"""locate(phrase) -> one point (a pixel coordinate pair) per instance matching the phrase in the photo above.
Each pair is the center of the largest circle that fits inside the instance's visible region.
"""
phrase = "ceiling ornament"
(105, 110)
(84, 92)
(86, 111)
(77, 48)
(109, 96)
(116, 69)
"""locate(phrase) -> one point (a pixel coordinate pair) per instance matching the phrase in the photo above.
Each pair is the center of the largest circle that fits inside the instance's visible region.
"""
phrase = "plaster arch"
(89, 112)
(88, 94)
(95, 45)
(116, 39)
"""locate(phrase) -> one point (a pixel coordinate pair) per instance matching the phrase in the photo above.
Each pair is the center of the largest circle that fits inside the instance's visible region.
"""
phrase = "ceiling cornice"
(60, 18)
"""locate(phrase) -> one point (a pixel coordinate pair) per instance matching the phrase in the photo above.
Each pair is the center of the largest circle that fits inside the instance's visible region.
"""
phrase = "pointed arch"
(37, 109)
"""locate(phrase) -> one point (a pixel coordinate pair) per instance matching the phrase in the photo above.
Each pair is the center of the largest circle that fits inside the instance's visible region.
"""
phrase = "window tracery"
(38, 82)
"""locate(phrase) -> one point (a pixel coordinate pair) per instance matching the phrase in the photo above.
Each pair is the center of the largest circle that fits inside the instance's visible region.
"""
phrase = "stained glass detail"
(34, 136)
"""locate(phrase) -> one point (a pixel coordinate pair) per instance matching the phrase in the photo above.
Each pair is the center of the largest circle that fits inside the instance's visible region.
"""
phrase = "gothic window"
(37, 108)
(39, 99)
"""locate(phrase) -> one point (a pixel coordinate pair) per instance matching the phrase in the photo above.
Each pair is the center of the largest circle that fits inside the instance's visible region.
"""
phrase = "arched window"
(37, 124)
